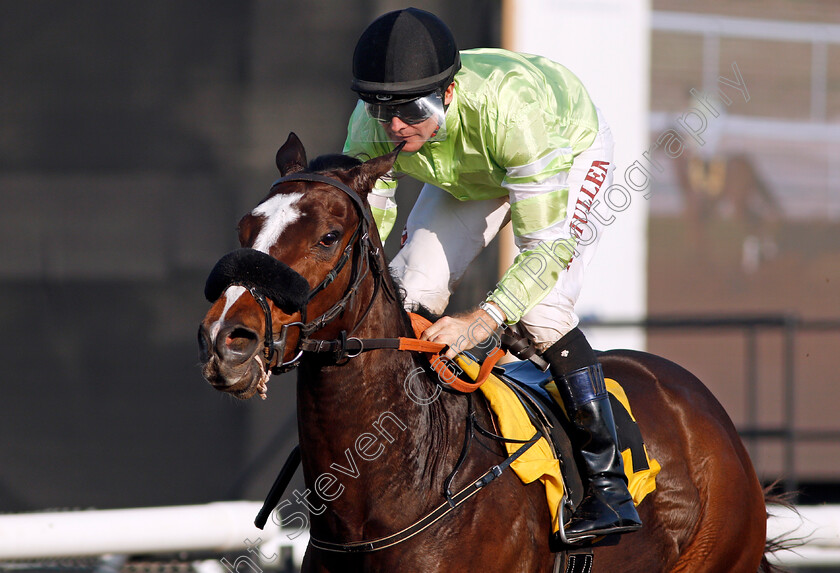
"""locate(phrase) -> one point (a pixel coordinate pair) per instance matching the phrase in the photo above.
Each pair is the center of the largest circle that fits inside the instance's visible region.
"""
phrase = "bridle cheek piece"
(267, 278)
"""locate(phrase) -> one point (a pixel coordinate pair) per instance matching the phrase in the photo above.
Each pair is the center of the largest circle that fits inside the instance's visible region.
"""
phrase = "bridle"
(367, 258)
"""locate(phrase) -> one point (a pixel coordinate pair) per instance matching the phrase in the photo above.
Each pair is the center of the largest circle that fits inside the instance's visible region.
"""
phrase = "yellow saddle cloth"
(538, 462)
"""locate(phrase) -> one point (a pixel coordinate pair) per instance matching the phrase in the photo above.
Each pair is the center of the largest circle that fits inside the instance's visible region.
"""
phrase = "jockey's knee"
(544, 329)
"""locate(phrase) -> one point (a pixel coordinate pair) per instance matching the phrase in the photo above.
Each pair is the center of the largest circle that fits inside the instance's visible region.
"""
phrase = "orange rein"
(439, 365)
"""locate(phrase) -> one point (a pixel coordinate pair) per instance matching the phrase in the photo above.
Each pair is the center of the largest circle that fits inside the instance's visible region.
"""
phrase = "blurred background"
(133, 136)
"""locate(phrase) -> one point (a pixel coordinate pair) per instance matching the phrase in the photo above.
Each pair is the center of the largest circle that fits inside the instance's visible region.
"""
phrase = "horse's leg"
(766, 210)
(687, 194)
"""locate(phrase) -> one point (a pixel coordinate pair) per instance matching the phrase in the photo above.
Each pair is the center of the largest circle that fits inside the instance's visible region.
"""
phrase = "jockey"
(497, 136)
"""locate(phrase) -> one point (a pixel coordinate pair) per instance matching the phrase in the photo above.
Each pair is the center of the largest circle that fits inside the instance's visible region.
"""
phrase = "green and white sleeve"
(382, 205)
(539, 193)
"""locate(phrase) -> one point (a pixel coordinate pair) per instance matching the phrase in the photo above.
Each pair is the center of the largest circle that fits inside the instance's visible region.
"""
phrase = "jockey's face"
(415, 134)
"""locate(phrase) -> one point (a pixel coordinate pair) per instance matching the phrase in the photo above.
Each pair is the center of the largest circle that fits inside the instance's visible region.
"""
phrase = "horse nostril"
(203, 344)
(236, 344)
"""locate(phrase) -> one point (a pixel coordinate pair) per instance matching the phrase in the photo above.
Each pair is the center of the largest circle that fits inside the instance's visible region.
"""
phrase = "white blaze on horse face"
(279, 213)
(231, 295)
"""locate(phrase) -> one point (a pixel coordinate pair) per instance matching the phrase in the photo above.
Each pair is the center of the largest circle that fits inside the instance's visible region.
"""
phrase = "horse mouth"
(242, 382)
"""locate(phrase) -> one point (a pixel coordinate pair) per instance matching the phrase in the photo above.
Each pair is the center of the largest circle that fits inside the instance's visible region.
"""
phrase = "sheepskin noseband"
(254, 269)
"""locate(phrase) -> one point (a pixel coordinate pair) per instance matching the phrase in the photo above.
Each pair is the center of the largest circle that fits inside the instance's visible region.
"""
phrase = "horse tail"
(784, 542)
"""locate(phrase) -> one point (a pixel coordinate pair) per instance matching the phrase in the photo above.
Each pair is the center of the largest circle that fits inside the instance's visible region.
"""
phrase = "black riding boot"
(607, 506)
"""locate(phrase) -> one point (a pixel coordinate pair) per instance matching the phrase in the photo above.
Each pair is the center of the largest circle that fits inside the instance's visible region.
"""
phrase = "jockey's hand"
(461, 332)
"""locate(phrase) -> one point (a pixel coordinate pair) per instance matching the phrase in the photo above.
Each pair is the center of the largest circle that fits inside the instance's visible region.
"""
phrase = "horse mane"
(418, 308)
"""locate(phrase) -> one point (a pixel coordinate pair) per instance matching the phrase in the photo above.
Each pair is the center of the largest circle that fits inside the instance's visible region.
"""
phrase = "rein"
(350, 347)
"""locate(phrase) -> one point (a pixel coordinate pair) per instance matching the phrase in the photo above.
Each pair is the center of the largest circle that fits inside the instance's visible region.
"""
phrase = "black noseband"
(254, 269)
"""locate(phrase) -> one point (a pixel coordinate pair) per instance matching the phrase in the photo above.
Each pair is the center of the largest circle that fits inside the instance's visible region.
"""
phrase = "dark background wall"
(132, 138)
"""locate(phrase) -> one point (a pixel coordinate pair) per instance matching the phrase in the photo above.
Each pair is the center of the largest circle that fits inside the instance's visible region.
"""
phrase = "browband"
(317, 177)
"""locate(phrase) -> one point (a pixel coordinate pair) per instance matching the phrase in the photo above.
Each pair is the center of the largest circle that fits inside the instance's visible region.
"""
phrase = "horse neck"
(358, 422)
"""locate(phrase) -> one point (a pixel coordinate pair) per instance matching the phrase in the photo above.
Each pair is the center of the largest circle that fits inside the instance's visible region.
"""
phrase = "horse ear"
(291, 157)
(366, 174)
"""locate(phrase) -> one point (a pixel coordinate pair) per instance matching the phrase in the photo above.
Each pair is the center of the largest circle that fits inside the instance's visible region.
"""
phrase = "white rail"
(760, 127)
(228, 526)
(753, 28)
(222, 526)
(713, 27)
(817, 527)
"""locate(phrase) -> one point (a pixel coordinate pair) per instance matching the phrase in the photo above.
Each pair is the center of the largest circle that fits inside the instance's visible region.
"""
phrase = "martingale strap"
(430, 518)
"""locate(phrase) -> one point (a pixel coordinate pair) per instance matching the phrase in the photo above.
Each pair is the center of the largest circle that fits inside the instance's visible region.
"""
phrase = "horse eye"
(329, 239)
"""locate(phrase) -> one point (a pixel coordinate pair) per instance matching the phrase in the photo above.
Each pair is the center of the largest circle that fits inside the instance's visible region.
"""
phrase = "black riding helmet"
(402, 55)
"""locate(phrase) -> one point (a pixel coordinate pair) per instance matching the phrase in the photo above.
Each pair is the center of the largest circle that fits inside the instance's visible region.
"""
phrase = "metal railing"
(751, 326)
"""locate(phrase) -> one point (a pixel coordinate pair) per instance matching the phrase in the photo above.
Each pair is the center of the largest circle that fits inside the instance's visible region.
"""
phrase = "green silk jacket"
(513, 129)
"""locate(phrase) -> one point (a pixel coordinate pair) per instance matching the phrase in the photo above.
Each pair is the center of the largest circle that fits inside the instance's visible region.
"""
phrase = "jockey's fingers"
(429, 333)
(435, 328)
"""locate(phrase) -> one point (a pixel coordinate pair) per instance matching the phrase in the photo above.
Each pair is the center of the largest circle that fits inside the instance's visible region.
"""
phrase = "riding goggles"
(411, 112)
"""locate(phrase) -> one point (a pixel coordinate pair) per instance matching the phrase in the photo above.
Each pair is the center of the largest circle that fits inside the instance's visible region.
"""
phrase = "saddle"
(520, 397)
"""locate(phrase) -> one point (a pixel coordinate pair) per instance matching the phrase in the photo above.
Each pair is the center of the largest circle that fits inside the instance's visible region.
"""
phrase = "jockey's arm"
(538, 214)
(538, 190)
(382, 205)
(362, 143)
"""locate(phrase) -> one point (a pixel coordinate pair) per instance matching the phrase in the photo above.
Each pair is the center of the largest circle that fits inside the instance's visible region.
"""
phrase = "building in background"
(745, 223)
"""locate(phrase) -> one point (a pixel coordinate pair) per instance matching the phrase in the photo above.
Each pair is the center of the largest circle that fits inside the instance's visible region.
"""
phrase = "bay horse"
(310, 288)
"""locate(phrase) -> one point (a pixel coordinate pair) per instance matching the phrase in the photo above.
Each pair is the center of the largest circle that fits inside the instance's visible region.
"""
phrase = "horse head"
(307, 249)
